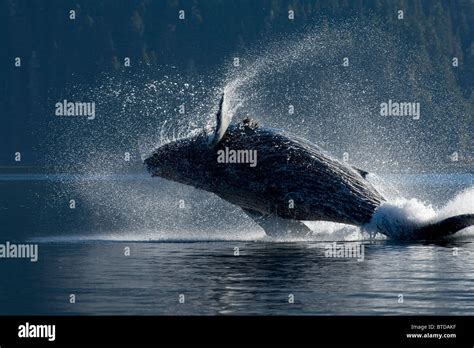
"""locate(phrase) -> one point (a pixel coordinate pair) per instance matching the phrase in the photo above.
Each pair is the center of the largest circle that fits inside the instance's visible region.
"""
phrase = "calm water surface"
(435, 278)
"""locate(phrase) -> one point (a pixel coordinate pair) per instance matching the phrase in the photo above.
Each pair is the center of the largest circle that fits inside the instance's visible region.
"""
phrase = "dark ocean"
(170, 271)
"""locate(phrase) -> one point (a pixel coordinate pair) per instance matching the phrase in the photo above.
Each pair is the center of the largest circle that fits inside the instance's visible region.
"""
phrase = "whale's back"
(293, 179)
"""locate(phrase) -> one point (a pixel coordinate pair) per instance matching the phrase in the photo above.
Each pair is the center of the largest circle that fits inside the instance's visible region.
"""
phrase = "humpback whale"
(293, 180)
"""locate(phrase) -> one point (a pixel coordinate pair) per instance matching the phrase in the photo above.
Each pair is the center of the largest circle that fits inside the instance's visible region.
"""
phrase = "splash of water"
(334, 108)
(400, 217)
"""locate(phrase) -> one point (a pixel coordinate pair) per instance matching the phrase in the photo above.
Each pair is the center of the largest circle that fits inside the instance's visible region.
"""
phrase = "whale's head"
(190, 160)
(186, 160)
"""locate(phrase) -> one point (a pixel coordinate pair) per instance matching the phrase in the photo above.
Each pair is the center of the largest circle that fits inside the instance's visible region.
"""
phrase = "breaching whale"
(293, 180)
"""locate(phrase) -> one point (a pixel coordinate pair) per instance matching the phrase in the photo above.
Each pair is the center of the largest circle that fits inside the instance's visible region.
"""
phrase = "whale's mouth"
(153, 166)
(159, 165)
(158, 171)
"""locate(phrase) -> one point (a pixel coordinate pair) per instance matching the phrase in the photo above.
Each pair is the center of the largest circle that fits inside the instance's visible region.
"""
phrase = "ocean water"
(191, 252)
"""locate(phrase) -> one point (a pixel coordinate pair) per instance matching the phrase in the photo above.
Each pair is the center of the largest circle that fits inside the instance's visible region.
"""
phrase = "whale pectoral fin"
(223, 122)
(444, 227)
(275, 226)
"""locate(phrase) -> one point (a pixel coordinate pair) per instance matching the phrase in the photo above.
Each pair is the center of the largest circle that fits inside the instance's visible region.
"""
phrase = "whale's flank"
(293, 180)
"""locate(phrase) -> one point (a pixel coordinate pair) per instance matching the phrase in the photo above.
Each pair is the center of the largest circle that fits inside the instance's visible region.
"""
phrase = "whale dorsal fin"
(223, 122)
(361, 172)
(248, 123)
